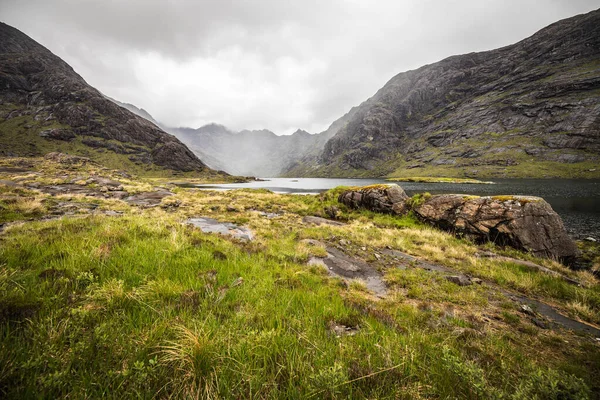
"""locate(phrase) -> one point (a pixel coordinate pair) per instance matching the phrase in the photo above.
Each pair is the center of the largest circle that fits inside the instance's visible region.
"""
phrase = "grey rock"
(309, 219)
(210, 225)
(459, 280)
(389, 199)
(523, 222)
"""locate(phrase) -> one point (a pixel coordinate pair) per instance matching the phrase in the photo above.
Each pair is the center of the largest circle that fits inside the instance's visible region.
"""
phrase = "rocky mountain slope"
(258, 152)
(45, 106)
(531, 109)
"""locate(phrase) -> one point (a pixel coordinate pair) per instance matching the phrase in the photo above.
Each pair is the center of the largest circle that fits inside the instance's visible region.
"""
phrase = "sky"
(273, 64)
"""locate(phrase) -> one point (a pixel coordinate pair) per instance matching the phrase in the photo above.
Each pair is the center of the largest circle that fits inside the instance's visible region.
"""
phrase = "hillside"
(46, 106)
(531, 109)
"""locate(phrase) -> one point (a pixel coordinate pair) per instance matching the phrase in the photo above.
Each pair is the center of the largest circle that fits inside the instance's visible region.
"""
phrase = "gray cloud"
(272, 64)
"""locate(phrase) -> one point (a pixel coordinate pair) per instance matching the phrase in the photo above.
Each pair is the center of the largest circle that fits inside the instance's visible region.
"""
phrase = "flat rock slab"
(71, 188)
(343, 266)
(148, 199)
(309, 219)
(210, 225)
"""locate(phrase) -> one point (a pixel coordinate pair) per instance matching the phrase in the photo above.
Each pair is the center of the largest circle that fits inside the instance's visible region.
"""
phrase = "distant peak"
(214, 128)
(301, 132)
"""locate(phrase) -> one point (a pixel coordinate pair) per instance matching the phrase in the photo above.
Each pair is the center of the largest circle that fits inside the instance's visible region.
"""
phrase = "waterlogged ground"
(108, 291)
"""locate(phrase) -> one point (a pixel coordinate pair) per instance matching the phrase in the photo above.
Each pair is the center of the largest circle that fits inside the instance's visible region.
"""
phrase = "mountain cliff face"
(529, 109)
(45, 106)
(258, 153)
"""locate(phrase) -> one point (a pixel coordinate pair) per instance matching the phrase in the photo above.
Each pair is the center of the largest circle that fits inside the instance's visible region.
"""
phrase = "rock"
(343, 330)
(231, 209)
(527, 310)
(590, 239)
(332, 211)
(109, 183)
(309, 219)
(540, 323)
(66, 159)
(460, 280)
(344, 266)
(523, 222)
(388, 199)
(476, 281)
(148, 199)
(210, 225)
(58, 134)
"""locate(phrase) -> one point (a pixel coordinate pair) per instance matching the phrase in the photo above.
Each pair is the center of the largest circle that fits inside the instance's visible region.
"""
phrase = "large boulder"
(523, 222)
(388, 199)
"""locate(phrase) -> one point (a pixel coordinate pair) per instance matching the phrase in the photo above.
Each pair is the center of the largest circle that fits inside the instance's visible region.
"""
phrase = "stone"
(332, 211)
(309, 219)
(388, 199)
(523, 222)
(210, 225)
(58, 134)
(527, 310)
(459, 280)
(148, 199)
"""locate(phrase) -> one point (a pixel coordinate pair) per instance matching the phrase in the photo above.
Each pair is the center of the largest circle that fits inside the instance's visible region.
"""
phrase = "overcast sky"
(272, 64)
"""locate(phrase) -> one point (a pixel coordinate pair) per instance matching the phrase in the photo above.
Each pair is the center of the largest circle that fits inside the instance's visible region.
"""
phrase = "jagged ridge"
(529, 109)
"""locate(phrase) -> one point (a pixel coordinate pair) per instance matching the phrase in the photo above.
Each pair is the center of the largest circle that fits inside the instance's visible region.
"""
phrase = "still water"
(576, 201)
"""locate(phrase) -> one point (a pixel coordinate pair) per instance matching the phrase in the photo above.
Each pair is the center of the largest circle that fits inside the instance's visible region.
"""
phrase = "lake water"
(576, 201)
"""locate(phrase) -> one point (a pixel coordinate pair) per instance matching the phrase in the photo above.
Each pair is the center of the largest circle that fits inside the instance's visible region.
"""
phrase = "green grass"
(142, 306)
(431, 179)
(136, 306)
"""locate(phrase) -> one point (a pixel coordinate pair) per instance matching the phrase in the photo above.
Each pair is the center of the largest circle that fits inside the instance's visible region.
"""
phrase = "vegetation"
(431, 179)
(139, 305)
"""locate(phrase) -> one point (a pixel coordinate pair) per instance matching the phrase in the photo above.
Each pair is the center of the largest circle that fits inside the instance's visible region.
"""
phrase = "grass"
(431, 179)
(141, 306)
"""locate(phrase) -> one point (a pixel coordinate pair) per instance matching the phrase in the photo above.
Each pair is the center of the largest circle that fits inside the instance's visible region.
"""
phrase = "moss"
(520, 199)
(418, 199)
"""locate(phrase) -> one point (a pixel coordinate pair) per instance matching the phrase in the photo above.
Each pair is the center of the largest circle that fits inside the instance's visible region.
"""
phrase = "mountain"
(137, 111)
(531, 109)
(46, 106)
(256, 152)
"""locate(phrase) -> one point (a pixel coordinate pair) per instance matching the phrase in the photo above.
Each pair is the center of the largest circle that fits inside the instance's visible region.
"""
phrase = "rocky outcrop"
(523, 222)
(482, 114)
(388, 199)
(47, 105)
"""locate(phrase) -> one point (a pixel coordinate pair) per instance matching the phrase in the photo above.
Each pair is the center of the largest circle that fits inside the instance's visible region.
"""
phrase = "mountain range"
(46, 106)
(531, 109)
